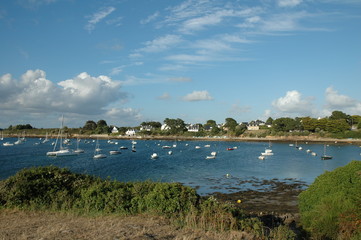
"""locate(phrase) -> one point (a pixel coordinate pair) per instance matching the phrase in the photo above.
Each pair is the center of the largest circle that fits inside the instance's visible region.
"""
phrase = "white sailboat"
(2, 136)
(97, 151)
(46, 138)
(62, 151)
(78, 150)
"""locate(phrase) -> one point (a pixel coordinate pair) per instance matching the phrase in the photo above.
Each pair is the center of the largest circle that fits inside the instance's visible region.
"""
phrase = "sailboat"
(2, 136)
(97, 151)
(62, 151)
(46, 138)
(78, 150)
(324, 156)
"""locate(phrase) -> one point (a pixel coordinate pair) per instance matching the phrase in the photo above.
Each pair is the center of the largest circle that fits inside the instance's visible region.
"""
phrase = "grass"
(59, 190)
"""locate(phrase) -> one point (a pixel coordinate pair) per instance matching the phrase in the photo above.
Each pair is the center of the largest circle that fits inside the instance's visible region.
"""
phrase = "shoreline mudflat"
(290, 139)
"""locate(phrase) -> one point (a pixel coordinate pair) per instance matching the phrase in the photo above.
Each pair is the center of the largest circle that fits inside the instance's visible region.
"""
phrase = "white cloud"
(336, 101)
(150, 18)
(161, 43)
(293, 103)
(97, 17)
(198, 96)
(288, 3)
(34, 93)
(122, 116)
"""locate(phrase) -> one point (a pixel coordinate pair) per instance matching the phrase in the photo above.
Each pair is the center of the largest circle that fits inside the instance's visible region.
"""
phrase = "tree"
(269, 121)
(337, 126)
(176, 125)
(284, 124)
(102, 123)
(230, 124)
(309, 124)
(152, 124)
(90, 125)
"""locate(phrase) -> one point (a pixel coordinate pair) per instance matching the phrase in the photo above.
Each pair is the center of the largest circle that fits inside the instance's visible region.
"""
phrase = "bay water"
(231, 170)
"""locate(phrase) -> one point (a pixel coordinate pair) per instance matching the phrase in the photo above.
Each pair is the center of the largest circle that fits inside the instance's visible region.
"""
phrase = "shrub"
(331, 206)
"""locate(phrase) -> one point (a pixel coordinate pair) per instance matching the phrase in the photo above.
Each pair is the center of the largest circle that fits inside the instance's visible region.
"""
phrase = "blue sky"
(129, 61)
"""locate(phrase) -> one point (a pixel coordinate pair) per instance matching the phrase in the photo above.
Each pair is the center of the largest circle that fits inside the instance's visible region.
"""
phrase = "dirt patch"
(16, 224)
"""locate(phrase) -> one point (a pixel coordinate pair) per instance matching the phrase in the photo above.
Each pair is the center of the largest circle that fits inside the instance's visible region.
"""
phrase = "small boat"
(170, 153)
(166, 147)
(324, 156)
(133, 148)
(97, 152)
(207, 145)
(197, 147)
(267, 152)
(114, 152)
(78, 150)
(261, 157)
(123, 147)
(211, 157)
(46, 138)
(62, 152)
(313, 154)
(230, 149)
(213, 153)
(154, 156)
(65, 152)
(8, 144)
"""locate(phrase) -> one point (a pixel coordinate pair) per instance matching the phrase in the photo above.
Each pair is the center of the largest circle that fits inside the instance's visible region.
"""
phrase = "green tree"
(309, 124)
(90, 125)
(269, 121)
(152, 124)
(284, 124)
(176, 125)
(337, 126)
(230, 124)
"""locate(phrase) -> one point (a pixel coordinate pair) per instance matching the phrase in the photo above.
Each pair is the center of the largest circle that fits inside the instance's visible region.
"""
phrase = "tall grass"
(53, 188)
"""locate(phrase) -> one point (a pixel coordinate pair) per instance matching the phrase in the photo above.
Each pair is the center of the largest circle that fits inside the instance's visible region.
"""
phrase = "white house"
(130, 132)
(253, 127)
(115, 130)
(164, 127)
(193, 128)
(147, 128)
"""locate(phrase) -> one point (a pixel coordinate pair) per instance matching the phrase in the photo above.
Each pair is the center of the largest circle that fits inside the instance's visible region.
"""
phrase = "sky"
(132, 61)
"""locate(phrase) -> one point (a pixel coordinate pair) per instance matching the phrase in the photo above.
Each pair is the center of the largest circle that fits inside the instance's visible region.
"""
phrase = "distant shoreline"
(289, 139)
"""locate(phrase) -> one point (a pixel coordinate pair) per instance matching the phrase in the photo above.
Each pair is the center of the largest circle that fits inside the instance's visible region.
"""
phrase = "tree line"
(339, 124)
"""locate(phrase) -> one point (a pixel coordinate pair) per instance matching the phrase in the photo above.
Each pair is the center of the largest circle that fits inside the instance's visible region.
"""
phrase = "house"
(164, 127)
(115, 130)
(147, 128)
(252, 127)
(131, 132)
(193, 127)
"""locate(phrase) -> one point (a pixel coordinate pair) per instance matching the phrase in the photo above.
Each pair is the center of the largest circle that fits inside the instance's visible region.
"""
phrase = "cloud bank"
(84, 95)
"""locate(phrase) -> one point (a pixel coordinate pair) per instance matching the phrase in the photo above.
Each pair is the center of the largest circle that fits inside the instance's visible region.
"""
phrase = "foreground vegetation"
(56, 189)
(330, 208)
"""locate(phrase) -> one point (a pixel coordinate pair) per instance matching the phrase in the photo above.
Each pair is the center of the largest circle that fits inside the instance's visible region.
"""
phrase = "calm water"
(187, 164)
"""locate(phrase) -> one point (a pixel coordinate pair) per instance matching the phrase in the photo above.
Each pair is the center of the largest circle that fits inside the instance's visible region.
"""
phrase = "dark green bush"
(333, 198)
